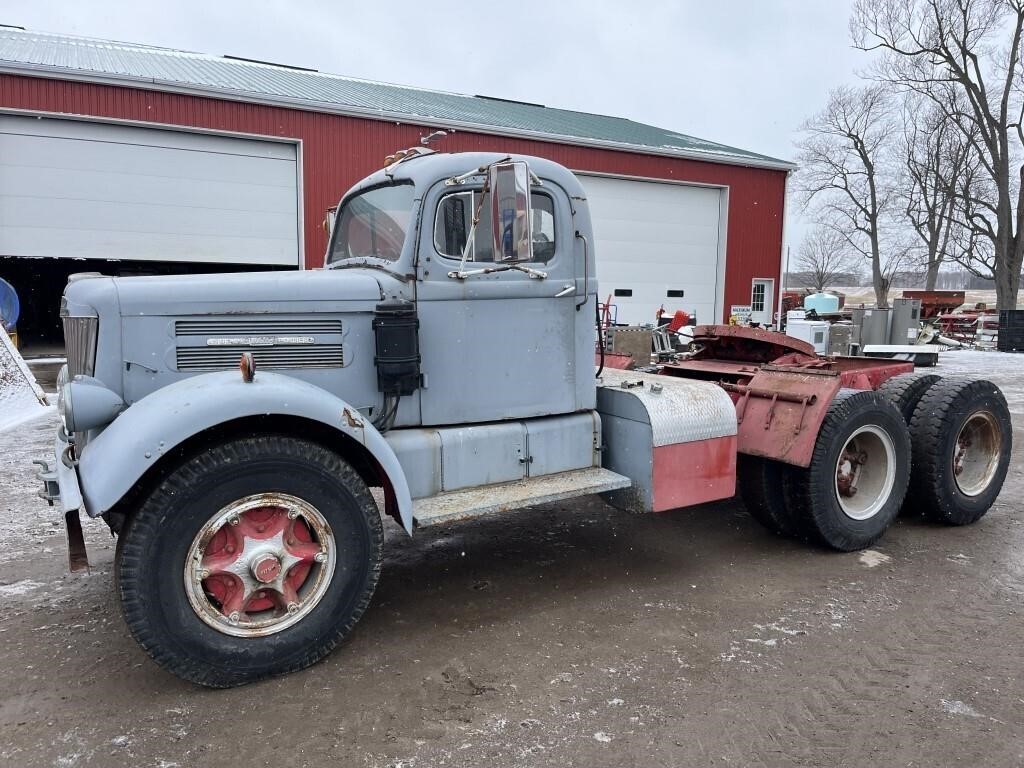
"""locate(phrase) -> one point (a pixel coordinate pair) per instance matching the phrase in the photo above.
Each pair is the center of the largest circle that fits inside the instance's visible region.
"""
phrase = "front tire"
(858, 476)
(252, 559)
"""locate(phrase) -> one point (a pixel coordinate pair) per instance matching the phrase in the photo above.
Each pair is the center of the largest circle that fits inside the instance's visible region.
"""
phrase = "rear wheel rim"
(260, 565)
(865, 472)
(976, 453)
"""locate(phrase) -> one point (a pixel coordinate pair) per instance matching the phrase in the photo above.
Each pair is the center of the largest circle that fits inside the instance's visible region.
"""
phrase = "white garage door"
(657, 245)
(75, 189)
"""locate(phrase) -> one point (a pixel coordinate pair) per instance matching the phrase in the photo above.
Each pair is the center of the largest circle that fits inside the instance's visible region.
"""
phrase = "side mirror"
(510, 212)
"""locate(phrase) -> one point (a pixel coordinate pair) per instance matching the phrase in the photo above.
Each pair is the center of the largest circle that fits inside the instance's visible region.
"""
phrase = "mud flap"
(78, 558)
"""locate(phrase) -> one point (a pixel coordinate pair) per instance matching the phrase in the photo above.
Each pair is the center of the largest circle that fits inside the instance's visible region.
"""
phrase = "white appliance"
(814, 332)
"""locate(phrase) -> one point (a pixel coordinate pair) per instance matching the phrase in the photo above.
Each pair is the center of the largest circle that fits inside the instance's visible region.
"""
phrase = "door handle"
(565, 291)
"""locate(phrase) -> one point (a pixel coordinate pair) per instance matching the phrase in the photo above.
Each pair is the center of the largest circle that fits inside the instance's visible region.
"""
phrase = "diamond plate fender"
(675, 438)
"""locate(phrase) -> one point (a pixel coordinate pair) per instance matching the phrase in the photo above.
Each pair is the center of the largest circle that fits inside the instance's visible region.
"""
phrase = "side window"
(455, 219)
(452, 224)
(542, 209)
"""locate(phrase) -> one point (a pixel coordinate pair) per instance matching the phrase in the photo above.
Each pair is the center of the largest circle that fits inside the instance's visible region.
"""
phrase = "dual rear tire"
(858, 476)
(947, 441)
(962, 437)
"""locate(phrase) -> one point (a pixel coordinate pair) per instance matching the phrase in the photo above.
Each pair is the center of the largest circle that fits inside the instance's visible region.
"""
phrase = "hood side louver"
(214, 344)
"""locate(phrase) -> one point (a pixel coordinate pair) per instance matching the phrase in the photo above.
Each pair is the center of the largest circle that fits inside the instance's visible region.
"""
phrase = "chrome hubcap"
(260, 565)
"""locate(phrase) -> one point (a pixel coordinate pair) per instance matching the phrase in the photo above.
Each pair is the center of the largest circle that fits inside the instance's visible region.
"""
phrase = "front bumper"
(61, 487)
(60, 484)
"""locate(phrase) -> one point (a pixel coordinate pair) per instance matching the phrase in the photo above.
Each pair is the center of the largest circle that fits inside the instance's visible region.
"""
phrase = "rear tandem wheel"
(858, 476)
(962, 436)
(759, 482)
(906, 390)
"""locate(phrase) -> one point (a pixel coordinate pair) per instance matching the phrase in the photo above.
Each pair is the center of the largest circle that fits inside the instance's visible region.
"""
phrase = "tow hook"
(48, 477)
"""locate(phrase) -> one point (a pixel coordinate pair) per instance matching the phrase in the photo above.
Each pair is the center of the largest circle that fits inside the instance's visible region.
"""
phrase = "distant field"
(865, 295)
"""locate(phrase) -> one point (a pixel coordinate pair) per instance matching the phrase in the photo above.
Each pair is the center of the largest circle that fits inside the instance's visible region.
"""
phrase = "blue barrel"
(10, 307)
(822, 303)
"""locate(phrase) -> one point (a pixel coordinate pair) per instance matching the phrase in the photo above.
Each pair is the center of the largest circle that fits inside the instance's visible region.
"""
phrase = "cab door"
(502, 345)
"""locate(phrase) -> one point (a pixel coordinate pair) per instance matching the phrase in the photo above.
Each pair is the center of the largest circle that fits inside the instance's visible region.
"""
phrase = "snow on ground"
(19, 393)
(1006, 369)
(26, 522)
(23, 413)
(980, 362)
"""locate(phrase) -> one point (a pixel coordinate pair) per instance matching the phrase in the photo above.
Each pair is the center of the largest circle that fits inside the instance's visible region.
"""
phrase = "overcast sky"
(740, 72)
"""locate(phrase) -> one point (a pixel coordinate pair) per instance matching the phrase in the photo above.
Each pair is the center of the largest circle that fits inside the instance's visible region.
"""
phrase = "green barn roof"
(233, 78)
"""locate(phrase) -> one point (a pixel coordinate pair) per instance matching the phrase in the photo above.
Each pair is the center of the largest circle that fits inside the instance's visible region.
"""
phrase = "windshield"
(373, 224)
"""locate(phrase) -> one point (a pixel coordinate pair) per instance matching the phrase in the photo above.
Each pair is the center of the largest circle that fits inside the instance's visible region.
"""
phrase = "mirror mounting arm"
(482, 170)
(536, 274)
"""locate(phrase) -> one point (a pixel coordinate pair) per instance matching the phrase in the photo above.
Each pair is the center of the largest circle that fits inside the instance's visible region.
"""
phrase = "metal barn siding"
(338, 150)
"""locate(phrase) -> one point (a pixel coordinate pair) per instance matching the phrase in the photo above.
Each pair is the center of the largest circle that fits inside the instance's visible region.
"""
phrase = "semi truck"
(244, 436)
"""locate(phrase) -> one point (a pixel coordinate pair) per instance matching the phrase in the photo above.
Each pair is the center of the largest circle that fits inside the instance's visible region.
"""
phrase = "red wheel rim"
(260, 565)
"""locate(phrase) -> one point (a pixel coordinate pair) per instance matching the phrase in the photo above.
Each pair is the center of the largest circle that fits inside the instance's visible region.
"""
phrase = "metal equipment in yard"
(935, 303)
(904, 321)
(228, 428)
(636, 342)
(840, 339)
(1011, 330)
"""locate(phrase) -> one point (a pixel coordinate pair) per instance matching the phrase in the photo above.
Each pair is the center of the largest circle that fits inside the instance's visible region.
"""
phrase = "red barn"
(132, 159)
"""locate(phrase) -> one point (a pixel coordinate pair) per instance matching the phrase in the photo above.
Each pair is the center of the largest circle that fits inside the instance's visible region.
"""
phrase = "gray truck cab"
(472, 328)
(229, 428)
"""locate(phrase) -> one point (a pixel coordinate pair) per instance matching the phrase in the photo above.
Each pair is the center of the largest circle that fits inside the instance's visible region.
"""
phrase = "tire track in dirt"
(894, 679)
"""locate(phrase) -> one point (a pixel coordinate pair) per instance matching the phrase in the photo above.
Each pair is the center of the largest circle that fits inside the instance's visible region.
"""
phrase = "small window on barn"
(757, 298)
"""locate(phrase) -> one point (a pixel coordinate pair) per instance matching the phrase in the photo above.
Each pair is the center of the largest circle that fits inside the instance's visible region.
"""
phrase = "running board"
(493, 499)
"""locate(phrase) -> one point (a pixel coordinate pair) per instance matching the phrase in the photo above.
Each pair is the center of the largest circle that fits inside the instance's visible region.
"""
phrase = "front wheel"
(253, 559)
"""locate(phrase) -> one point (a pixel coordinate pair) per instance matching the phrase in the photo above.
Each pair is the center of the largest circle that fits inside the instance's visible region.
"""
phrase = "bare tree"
(971, 245)
(823, 257)
(841, 155)
(974, 46)
(936, 154)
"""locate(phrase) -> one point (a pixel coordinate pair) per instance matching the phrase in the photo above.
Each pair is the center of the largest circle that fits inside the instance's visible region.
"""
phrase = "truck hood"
(248, 292)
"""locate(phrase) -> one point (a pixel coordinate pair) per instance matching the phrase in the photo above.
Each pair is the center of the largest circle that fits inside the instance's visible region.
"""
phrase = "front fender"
(136, 440)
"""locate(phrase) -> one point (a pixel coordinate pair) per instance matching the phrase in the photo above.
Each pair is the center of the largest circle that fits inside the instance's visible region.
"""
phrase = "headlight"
(87, 404)
(80, 340)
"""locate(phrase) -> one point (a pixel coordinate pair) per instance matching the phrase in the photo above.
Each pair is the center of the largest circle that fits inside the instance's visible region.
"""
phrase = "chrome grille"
(219, 358)
(80, 342)
(244, 326)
